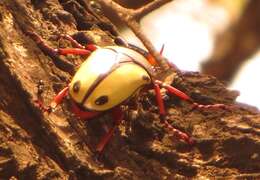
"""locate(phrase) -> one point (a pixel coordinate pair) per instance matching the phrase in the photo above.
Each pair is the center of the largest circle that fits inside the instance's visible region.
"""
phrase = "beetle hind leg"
(164, 122)
(117, 116)
(181, 135)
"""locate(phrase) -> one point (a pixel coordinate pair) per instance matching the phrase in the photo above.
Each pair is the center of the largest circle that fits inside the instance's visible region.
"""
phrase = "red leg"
(180, 134)
(79, 113)
(185, 97)
(166, 124)
(90, 47)
(72, 41)
(83, 114)
(159, 100)
(118, 116)
(59, 97)
(59, 51)
(173, 90)
(56, 101)
(43, 108)
(75, 51)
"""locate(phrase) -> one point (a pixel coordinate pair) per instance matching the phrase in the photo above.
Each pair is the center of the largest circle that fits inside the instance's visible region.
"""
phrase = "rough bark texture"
(35, 145)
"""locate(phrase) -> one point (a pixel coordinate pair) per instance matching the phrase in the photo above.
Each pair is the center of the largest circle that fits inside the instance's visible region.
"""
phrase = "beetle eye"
(101, 100)
(76, 86)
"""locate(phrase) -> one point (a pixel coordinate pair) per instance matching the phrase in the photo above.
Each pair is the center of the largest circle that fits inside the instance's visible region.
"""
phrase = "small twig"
(130, 17)
(148, 44)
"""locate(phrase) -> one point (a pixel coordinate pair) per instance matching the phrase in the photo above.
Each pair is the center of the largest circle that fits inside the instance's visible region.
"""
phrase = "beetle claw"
(43, 108)
(53, 105)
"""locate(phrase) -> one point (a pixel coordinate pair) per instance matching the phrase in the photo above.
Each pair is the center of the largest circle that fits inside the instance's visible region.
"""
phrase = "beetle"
(108, 78)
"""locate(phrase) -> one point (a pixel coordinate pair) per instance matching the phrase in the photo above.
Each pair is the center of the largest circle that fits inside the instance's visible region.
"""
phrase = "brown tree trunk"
(37, 145)
(236, 45)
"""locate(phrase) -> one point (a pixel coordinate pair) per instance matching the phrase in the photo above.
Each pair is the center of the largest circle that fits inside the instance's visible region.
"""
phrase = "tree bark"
(37, 145)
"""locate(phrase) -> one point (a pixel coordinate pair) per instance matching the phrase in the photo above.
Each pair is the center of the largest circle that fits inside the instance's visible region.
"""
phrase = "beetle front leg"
(56, 101)
(164, 122)
(42, 107)
(83, 114)
(59, 97)
(117, 116)
(56, 51)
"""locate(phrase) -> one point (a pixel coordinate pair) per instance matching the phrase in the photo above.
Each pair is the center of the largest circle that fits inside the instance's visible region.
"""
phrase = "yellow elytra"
(108, 77)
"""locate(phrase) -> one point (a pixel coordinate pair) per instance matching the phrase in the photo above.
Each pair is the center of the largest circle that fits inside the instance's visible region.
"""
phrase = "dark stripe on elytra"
(96, 83)
(140, 64)
(101, 77)
(133, 60)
